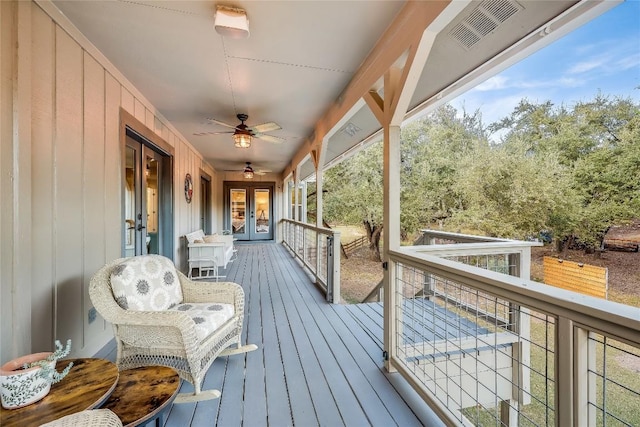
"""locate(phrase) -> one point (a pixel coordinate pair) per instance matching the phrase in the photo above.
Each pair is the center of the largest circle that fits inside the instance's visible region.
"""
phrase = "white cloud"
(628, 62)
(585, 66)
(494, 83)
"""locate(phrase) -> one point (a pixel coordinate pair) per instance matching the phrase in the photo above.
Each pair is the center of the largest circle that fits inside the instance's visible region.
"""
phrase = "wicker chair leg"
(243, 349)
(197, 397)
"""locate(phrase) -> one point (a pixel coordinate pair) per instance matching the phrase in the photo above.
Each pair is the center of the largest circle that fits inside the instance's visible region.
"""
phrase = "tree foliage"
(572, 171)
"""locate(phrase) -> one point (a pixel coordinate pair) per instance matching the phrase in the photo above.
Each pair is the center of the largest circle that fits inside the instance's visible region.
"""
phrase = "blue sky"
(602, 55)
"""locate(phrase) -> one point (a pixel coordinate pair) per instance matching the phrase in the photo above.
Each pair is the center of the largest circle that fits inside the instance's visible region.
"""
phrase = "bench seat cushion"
(208, 317)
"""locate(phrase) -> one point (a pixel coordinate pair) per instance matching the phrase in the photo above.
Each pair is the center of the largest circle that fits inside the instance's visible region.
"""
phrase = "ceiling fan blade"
(210, 133)
(270, 138)
(265, 127)
(218, 122)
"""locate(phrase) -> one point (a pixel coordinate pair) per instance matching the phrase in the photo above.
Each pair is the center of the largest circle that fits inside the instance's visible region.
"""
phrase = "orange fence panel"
(584, 278)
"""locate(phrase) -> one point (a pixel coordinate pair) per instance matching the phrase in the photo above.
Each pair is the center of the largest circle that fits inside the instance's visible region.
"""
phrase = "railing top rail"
(322, 230)
(470, 238)
(479, 248)
(620, 320)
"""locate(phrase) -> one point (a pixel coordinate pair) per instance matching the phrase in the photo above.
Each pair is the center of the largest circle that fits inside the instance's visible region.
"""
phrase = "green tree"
(608, 178)
(432, 151)
(511, 193)
(354, 193)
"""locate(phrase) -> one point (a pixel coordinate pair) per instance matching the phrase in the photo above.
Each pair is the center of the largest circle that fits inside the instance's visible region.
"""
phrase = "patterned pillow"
(146, 283)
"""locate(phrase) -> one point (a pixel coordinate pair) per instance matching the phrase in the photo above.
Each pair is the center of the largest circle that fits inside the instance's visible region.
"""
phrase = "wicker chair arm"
(220, 292)
(156, 327)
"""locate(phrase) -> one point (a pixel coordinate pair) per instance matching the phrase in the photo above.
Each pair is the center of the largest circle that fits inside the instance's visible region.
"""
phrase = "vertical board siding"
(43, 63)
(93, 184)
(7, 328)
(71, 162)
(127, 101)
(68, 190)
(140, 111)
(112, 170)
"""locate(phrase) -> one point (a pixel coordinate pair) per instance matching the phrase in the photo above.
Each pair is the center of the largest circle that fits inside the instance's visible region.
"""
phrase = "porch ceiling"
(298, 60)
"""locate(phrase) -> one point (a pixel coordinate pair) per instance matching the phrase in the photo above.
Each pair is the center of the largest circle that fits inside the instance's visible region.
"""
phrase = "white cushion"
(208, 317)
(146, 283)
(196, 235)
(212, 238)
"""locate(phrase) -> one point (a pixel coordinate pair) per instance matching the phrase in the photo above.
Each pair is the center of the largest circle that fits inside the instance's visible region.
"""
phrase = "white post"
(564, 372)
(391, 229)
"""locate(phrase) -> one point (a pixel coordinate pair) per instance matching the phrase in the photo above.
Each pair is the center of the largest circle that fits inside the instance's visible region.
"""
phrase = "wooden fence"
(583, 278)
(351, 247)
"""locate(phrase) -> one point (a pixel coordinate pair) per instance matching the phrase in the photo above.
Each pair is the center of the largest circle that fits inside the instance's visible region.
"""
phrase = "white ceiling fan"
(241, 131)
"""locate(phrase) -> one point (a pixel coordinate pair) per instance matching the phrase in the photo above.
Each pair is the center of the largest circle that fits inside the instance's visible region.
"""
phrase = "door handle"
(140, 227)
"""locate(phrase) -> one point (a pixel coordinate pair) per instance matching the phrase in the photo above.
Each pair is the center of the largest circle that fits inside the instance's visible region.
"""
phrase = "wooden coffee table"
(143, 394)
(87, 386)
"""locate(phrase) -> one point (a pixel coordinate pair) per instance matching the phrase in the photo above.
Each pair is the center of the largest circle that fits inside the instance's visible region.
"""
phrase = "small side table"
(87, 385)
(143, 394)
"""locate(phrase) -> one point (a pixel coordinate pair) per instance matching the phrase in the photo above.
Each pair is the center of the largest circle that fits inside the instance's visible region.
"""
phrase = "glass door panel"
(249, 210)
(151, 181)
(143, 187)
(262, 226)
(131, 205)
(238, 214)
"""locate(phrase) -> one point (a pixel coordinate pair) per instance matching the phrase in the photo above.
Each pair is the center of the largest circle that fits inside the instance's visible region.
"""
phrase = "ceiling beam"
(406, 30)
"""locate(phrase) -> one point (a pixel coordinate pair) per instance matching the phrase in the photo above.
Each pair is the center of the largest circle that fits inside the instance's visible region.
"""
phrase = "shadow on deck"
(315, 363)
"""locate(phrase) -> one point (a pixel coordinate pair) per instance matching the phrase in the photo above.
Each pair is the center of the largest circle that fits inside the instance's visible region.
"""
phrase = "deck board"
(316, 363)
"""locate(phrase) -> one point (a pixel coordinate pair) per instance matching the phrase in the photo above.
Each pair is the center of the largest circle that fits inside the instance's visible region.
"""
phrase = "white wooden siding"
(61, 174)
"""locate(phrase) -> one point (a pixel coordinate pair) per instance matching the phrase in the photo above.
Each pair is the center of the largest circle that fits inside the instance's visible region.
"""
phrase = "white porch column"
(391, 229)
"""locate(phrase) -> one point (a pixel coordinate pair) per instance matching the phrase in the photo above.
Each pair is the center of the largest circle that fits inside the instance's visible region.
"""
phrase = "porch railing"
(318, 249)
(486, 348)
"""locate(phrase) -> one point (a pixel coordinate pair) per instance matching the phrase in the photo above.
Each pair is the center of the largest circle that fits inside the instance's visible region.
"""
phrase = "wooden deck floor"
(316, 363)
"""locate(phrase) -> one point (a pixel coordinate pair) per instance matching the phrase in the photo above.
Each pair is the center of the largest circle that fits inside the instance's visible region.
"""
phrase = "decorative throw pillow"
(198, 241)
(211, 238)
(146, 283)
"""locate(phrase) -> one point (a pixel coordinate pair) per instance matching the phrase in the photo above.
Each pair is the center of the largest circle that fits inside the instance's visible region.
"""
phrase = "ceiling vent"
(351, 129)
(483, 20)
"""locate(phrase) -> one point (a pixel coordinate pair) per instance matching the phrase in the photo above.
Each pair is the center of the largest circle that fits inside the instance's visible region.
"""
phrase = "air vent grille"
(483, 20)
(501, 9)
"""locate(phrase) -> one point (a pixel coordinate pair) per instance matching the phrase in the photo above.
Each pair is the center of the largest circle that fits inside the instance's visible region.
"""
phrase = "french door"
(146, 208)
(249, 210)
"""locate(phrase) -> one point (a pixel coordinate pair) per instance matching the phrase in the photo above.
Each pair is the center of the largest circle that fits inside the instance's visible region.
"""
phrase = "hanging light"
(248, 171)
(241, 139)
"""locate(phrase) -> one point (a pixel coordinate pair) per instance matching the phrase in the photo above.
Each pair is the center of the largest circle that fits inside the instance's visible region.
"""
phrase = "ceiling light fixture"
(231, 22)
(242, 138)
(248, 171)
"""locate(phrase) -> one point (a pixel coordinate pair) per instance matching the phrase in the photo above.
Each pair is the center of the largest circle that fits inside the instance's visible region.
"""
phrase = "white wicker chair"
(88, 418)
(170, 337)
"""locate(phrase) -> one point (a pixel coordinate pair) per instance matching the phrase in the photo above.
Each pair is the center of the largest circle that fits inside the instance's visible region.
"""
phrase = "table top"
(143, 393)
(87, 386)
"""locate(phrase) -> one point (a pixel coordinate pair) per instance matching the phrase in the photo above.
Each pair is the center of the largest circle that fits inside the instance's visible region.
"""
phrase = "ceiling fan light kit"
(231, 22)
(242, 135)
(248, 171)
(242, 140)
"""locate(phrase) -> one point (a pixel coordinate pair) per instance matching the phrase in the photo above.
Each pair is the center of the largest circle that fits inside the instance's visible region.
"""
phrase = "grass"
(622, 367)
(349, 233)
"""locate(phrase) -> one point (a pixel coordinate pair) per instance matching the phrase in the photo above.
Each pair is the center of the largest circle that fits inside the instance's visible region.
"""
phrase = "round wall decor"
(188, 188)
